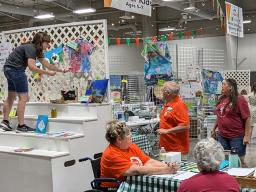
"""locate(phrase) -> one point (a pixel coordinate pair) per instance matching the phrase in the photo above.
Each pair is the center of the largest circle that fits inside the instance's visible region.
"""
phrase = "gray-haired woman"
(208, 155)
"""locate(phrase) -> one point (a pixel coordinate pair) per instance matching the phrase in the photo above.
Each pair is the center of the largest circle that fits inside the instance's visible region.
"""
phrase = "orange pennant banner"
(107, 3)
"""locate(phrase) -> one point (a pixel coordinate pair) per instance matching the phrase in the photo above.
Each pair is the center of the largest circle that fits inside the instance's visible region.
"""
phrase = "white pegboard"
(188, 61)
(49, 87)
(211, 59)
(242, 78)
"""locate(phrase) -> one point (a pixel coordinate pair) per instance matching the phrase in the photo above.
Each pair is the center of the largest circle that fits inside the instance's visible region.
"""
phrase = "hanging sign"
(234, 17)
(5, 50)
(142, 7)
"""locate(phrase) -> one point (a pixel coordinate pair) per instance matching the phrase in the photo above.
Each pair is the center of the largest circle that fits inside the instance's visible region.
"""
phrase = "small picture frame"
(42, 124)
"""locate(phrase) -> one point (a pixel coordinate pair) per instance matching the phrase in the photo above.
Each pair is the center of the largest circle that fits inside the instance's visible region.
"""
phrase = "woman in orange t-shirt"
(123, 158)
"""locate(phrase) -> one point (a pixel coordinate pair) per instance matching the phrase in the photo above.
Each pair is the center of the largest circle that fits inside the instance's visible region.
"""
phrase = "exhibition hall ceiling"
(16, 14)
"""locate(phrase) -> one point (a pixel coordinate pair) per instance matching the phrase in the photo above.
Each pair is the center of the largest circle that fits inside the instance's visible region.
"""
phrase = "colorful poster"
(142, 7)
(234, 20)
(212, 81)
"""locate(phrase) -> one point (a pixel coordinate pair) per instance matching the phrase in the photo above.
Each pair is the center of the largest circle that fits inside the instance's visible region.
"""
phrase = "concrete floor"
(250, 152)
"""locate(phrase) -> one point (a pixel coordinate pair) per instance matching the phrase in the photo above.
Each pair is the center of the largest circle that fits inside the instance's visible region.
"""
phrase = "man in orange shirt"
(123, 158)
(174, 121)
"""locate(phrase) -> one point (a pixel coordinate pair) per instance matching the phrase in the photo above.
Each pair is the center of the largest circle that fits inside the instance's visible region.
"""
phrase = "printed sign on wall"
(142, 7)
(234, 19)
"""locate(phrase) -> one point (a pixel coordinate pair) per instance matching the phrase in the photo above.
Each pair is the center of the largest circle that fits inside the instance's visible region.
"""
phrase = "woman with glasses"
(123, 158)
(22, 57)
(233, 125)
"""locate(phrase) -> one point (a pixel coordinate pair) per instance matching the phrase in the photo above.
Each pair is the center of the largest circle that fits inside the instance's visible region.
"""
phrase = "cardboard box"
(173, 157)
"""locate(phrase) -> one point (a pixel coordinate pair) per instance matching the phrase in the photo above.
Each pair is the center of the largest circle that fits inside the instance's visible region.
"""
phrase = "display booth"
(32, 162)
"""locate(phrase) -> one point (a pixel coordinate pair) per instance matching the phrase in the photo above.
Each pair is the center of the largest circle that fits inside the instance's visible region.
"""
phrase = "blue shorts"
(228, 143)
(16, 79)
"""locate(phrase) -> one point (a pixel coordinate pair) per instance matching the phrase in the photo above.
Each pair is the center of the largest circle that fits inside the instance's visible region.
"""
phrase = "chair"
(96, 183)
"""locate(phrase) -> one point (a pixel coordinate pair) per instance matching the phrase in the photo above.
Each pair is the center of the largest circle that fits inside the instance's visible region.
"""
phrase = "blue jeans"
(16, 79)
(228, 143)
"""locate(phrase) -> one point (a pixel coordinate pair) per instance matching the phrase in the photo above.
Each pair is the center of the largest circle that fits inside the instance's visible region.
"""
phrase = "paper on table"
(169, 175)
(240, 171)
(184, 175)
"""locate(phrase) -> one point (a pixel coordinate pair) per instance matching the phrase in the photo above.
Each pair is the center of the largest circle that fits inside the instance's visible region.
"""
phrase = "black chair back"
(96, 183)
(96, 167)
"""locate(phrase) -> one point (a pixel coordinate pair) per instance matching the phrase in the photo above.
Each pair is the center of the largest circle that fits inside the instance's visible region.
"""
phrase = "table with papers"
(163, 183)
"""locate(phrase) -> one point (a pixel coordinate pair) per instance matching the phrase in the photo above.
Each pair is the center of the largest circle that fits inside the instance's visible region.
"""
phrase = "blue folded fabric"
(224, 164)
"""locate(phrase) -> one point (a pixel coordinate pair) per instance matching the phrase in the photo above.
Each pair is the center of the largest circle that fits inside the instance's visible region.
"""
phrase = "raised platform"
(78, 131)
(38, 153)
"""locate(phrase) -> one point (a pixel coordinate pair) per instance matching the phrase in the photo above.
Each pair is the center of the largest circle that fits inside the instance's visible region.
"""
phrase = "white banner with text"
(142, 7)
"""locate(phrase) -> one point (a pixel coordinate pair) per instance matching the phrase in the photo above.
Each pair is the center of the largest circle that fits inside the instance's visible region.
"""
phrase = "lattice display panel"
(49, 87)
(242, 78)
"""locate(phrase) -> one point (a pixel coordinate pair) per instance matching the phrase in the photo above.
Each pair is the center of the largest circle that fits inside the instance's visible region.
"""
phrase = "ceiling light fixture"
(190, 8)
(82, 11)
(247, 21)
(44, 16)
(167, 29)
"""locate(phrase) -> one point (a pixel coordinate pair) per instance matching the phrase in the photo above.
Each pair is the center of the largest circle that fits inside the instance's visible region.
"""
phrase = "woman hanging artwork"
(158, 63)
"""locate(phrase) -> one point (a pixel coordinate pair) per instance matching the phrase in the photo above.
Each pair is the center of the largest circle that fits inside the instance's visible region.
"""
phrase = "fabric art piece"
(55, 55)
(211, 81)
(80, 57)
(158, 63)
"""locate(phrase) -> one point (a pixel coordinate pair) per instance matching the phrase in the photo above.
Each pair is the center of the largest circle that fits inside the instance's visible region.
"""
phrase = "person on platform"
(208, 155)
(123, 158)
(22, 57)
(174, 121)
(233, 125)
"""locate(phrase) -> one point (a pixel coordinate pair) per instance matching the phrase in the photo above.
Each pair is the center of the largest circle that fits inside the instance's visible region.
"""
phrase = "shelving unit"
(45, 164)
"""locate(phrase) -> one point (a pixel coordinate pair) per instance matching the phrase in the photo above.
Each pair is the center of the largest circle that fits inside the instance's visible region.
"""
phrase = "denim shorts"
(228, 143)
(16, 79)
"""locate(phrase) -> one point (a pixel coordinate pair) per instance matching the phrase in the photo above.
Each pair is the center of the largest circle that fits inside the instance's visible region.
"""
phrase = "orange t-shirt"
(173, 114)
(115, 161)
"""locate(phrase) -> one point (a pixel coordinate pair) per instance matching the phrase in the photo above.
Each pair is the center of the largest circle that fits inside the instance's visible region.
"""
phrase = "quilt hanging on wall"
(212, 81)
(158, 63)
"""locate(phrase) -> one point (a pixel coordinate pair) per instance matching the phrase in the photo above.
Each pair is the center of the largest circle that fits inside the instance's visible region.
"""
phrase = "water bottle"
(53, 113)
(162, 154)
(234, 160)
(126, 116)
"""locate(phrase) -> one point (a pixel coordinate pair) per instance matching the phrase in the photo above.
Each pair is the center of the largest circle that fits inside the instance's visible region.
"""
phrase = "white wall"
(247, 50)
(124, 59)
(128, 59)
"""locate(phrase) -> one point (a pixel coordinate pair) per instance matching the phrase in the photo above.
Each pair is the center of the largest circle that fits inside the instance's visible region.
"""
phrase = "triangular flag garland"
(188, 34)
(167, 37)
(128, 41)
(220, 13)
